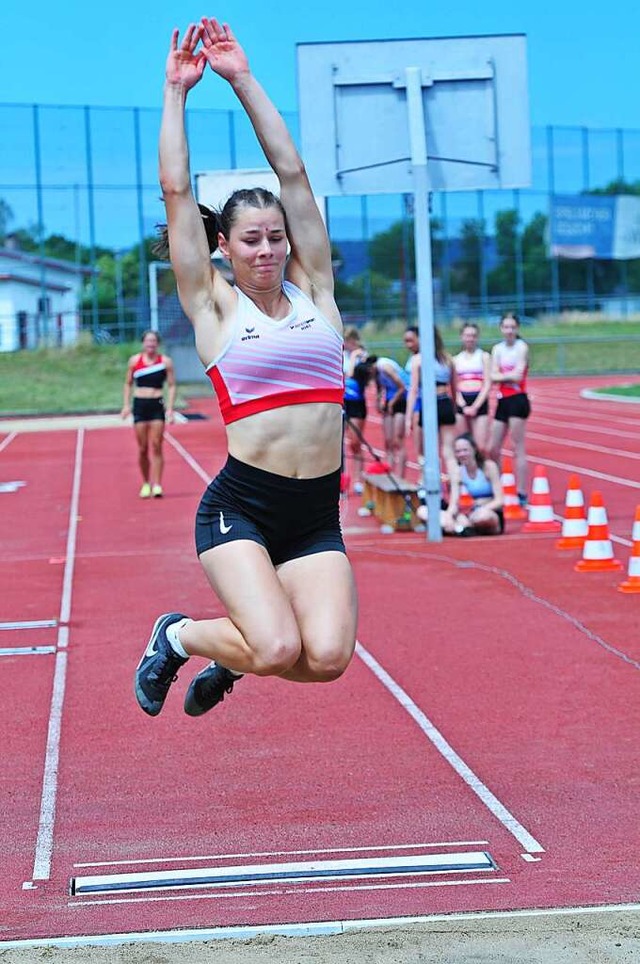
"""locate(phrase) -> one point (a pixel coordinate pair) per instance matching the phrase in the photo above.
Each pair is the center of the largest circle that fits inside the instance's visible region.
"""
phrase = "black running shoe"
(207, 689)
(158, 667)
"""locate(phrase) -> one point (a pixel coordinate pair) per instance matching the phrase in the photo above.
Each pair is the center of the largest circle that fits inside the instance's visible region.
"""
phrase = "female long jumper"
(267, 530)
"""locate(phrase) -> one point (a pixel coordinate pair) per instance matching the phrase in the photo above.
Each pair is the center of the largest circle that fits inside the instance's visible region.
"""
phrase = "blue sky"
(582, 56)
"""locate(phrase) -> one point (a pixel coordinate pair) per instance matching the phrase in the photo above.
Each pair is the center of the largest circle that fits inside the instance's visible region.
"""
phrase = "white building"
(39, 300)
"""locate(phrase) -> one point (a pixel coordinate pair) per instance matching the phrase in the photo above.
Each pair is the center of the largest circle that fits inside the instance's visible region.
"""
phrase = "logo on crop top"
(249, 334)
(302, 325)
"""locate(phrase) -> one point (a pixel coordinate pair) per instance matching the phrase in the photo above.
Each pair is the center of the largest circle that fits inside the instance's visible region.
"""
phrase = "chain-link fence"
(81, 184)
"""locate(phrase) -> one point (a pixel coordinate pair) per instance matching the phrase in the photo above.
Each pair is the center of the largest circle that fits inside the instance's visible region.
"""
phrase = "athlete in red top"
(509, 367)
(146, 375)
(267, 529)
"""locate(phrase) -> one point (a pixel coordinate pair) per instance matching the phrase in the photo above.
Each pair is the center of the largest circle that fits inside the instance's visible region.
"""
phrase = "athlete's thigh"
(322, 593)
(142, 433)
(246, 583)
(156, 432)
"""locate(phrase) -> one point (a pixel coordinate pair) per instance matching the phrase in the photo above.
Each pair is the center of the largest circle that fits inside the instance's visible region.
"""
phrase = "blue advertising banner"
(594, 226)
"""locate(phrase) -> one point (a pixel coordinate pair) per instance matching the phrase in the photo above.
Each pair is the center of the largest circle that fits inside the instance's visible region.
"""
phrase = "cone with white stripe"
(512, 507)
(632, 582)
(574, 526)
(540, 507)
(597, 553)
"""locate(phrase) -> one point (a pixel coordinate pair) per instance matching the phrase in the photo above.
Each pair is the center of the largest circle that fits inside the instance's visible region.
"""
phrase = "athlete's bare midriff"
(297, 441)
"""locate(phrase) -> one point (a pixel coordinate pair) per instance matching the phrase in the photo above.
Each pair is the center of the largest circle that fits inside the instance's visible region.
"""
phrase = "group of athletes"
(470, 440)
(267, 530)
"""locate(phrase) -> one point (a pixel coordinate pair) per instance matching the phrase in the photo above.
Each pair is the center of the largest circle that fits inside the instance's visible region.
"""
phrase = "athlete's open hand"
(224, 54)
(184, 66)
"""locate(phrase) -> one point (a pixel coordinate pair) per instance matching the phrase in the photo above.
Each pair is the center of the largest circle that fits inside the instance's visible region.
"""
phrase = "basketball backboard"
(353, 113)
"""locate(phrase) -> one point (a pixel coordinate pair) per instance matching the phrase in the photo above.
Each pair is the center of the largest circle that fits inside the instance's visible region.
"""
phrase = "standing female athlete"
(473, 372)
(509, 366)
(445, 388)
(267, 529)
(146, 374)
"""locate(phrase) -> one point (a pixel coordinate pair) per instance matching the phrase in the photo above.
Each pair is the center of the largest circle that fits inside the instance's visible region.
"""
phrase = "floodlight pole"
(424, 282)
(153, 295)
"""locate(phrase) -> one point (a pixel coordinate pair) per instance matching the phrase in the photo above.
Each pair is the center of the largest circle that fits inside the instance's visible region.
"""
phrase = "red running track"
(493, 706)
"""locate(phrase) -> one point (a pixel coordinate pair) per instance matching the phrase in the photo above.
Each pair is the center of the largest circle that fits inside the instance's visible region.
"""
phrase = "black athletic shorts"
(446, 411)
(355, 408)
(289, 517)
(514, 406)
(469, 399)
(399, 408)
(148, 410)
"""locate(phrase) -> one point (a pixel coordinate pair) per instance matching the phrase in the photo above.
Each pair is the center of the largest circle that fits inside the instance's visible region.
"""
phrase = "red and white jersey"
(268, 364)
(146, 375)
(510, 357)
(469, 368)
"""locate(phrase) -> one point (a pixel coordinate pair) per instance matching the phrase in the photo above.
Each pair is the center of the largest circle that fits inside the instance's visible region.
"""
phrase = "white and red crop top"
(268, 364)
(469, 367)
(147, 375)
(509, 358)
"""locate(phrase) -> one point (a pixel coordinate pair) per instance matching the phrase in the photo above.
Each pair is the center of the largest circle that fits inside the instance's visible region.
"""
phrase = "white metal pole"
(153, 295)
(424, 281)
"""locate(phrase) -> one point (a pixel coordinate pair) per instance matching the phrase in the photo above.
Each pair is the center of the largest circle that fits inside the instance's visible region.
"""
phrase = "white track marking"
(584, 428)
(569, 443)
(525, 591)
(285, 853)
(492, 803)
(7, 441)
(188, 458)
(44, 842)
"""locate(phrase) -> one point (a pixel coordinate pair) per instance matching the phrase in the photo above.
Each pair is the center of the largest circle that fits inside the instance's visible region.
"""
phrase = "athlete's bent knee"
(326, 669)
(277, 657)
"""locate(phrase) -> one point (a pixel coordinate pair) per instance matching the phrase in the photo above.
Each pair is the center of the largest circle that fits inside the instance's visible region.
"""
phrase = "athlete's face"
(150, 344)
(469, 338)
(412, 342)
(509, 329)
(463, 452)
(257, 246)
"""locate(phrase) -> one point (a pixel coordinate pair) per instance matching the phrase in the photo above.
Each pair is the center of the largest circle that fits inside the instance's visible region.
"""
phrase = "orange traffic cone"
(465, 501)
(632, 583)
(540, 507)
(597, 554)
(574, 526)
(512, 507)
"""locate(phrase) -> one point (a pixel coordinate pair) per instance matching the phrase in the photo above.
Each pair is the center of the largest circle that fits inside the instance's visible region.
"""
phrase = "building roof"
(27, 258)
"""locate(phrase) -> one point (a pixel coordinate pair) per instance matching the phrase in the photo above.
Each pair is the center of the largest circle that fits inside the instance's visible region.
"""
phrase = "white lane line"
(580, 469)
(590, 446)
(524, 591)
(584, 415)
(26, 650)
(286, 853)
(499, 811)
(7, 441)
(188, 458)
(312, 928)
(282, 892)
(591, 429)
(31, 624)
(44, 842)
